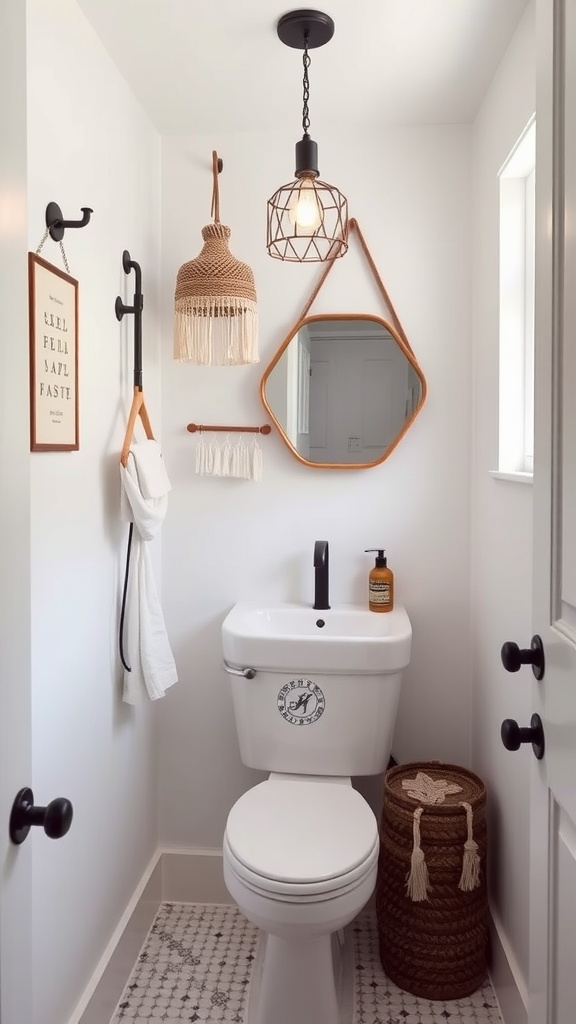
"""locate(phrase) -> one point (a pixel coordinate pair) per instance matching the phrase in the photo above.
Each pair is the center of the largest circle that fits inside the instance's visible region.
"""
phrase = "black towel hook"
(129, 264)
(56, 224)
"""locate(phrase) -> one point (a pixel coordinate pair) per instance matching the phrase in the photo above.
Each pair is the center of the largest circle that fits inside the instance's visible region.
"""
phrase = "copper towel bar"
(199, 427)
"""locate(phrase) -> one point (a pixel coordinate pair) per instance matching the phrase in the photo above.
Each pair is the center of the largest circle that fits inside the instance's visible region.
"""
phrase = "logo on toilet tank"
(301, 702)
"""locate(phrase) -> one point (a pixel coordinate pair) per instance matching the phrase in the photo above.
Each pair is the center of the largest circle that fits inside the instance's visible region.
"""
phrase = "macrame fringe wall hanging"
(229, 458)
(239, 458)
(216, 317)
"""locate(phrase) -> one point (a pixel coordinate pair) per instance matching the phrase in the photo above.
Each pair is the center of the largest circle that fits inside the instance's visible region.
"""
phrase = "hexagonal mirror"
(343, 389)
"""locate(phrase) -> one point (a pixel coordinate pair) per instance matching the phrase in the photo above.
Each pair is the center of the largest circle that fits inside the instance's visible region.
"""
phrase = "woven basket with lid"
(436, 946)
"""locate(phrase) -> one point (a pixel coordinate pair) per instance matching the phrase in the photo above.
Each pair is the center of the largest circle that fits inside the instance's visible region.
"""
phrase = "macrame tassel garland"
(202, 459)
(255, 462)
(215, 458)
(417, 883)
(215, 311)
(470, 877)
(232, 460)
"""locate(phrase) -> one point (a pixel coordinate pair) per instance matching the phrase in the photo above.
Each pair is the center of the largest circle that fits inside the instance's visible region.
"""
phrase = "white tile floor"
(196, 962)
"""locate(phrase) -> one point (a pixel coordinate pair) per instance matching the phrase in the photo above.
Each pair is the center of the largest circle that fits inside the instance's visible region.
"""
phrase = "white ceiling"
(214, 66)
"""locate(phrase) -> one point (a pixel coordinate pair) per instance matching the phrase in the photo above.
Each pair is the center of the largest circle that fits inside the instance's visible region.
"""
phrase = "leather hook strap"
(216, 168)
(354, 226)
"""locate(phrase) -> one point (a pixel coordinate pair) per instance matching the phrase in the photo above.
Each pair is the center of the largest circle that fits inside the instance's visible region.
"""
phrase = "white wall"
(89, 145)
(228, 539)
(501, 523)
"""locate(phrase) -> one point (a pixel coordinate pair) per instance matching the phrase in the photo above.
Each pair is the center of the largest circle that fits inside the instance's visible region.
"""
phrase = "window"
(517, 232)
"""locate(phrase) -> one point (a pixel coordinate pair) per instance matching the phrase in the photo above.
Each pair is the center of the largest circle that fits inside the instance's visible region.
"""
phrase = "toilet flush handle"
(248, 673)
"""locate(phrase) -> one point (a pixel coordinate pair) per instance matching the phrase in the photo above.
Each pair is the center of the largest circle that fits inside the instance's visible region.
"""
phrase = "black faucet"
(321, 575)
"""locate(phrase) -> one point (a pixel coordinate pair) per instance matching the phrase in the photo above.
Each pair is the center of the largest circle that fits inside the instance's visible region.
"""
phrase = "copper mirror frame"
(413, 405)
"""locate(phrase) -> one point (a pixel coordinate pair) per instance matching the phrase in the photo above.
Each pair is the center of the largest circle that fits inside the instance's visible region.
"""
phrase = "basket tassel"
(470, 877)
(417, 884)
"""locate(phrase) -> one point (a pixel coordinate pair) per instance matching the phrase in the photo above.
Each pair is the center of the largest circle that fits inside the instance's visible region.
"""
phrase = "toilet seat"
(286, 892)
(301, 839)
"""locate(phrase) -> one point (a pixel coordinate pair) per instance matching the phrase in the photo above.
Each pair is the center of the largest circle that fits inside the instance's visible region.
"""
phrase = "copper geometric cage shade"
(287, 241)
(307, 219)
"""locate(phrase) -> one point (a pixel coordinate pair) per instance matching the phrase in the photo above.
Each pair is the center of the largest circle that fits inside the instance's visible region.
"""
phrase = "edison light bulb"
(305, 210)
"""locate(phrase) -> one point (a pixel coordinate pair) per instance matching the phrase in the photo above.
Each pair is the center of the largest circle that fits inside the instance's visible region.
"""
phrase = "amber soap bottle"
(380, 584)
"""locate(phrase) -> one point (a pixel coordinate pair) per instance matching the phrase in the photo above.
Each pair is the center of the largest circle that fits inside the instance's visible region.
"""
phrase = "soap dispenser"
(380, 584)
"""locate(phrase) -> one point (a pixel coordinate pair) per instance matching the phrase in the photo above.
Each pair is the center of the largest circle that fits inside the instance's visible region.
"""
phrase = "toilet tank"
(314, 722)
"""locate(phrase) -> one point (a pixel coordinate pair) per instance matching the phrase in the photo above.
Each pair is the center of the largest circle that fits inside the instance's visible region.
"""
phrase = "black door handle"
(512, 735)
(55, 819)
(513, 656)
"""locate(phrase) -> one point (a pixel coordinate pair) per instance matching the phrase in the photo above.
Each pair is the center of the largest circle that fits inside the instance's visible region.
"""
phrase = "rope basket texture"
(433, 932)
(216, 318)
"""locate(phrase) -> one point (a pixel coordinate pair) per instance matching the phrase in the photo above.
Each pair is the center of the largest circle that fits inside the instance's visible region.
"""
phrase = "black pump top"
(380, 562)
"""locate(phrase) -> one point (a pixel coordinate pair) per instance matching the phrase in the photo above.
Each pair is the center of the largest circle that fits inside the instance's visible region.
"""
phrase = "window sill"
(515, 478)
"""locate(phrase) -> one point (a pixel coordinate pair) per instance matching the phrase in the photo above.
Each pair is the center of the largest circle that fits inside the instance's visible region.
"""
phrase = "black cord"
(121, 637)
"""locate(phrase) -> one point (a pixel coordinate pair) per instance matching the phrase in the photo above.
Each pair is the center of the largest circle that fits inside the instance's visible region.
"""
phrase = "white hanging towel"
(144, 502)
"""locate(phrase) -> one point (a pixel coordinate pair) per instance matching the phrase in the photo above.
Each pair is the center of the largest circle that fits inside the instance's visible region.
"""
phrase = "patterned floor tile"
(196, 964)
(380, 1001)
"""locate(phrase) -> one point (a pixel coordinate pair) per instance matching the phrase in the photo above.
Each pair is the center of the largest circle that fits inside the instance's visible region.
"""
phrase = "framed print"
(53, 298)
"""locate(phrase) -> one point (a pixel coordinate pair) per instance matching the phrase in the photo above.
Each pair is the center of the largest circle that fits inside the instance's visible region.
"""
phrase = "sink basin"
(298, 638)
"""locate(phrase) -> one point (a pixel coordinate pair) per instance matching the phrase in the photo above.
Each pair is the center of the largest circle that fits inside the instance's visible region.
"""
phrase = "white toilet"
(301, 848)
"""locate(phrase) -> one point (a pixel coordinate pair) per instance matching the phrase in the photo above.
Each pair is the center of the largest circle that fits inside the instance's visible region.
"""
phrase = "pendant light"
(215, 312)
(307, 219)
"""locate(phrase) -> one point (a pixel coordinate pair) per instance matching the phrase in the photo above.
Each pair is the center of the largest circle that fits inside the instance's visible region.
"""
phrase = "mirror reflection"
(343, 389)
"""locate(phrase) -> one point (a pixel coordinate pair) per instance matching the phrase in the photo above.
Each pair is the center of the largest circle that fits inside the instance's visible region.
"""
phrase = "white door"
(552, 982)
(15, 738)
(358, 398)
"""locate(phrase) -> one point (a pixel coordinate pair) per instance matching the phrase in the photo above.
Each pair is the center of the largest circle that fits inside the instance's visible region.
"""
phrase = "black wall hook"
(56, 224)
(120, 308)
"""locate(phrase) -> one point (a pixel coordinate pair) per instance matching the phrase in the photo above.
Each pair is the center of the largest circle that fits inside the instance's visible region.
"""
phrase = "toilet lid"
(300, 832)
(300, 892)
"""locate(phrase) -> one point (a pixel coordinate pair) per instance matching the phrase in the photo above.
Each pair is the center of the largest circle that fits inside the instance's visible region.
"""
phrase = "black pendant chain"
(306, 87)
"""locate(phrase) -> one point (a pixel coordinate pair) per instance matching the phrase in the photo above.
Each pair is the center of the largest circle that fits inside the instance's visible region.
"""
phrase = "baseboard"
(507, 979)
(173, 876)
(107, 983)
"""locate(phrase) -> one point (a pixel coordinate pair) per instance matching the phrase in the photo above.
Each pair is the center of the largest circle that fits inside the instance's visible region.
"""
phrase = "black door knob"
(513, 656)
(512, 735)
(55, 819)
